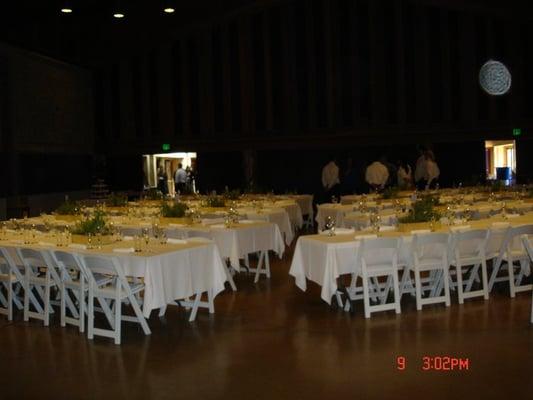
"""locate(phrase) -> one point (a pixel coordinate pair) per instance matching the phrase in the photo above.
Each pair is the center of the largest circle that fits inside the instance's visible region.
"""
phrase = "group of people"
(381, 174)
(183, 179)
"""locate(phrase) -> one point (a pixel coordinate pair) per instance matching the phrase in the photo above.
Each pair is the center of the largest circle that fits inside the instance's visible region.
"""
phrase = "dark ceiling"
(90, 36)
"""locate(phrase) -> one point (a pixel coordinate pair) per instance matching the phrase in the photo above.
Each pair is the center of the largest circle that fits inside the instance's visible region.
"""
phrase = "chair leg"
(445, 275)
(396, 289)
(267, 264)
(484, 279)
(63, 305)
(532, 307)
(27, 289)
(118, 317)
(47, 300)
(459, 270)
(510, 268)
(82, 308)
(418, 289)
(10, 301)
(90, 314)
(366, 296)
(493, 275)
(210, 301)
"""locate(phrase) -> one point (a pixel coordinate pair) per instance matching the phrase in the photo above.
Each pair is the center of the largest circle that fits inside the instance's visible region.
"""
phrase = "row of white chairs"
(440, 262)
(80, 280)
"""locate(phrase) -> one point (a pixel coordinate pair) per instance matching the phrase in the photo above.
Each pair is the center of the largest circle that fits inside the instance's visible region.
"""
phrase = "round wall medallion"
(495, 78)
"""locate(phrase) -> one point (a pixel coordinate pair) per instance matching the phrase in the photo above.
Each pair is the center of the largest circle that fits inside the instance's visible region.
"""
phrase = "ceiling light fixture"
(169, 6)
(66, 7)
(118, 11)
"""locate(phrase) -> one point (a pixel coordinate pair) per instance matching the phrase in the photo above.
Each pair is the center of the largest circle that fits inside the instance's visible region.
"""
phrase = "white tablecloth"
(238, 241)
(170, 273)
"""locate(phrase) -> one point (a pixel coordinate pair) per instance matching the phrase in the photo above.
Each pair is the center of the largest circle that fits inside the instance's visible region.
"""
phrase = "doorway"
(169, 162)
(500, 160)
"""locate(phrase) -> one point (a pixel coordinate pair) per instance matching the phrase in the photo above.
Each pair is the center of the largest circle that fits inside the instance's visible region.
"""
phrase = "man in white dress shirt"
(376, 175)
(180, 177)
(330, 179)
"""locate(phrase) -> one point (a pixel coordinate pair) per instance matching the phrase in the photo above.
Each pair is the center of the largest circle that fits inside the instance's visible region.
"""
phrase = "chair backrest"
(32, 258)
(430, 246)
(466, 244)
(495, 239)
(512, 240)
(103, 265)
(377, 252)
(7, 264)
(528, 246)
(67, 261)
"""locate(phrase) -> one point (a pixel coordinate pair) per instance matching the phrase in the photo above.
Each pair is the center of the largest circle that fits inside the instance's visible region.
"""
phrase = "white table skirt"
(237, 243)
(171, 275)
(278, 216)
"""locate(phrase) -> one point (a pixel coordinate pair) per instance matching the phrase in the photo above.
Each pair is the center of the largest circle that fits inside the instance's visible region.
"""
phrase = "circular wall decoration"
(495, 78)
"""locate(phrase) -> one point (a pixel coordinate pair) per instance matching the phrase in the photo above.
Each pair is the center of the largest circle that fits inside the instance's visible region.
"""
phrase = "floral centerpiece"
(174, 210)
(423, 210)
(93, 225)
(215, 201)
(68, 208)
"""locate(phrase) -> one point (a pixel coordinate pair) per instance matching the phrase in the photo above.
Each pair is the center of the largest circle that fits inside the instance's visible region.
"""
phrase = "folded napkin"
(176, 241)
(124, 250)
(199, 239)
(361, 237)
(460, 228)
(210, 221)
(176, 225)
(127, 238)
(217, 226)
(250, 221)
(420, 231)
(78, 246)
(343, 231)
(387, 228)
(46, 243)
(512, 215)
(500, 225)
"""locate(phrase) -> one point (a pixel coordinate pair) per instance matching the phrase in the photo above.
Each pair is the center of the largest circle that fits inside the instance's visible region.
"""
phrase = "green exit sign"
(165, 146)
(517, 132)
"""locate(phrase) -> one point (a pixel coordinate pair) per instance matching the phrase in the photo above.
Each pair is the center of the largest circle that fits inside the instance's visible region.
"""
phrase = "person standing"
(420, 170)
(376, 175)
(330, 179)
(404, 175)
(432, 170)
(162, 179)
(180, 177)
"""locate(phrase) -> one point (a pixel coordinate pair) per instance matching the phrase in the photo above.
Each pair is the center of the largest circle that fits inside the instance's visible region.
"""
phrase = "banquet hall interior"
(266, 199)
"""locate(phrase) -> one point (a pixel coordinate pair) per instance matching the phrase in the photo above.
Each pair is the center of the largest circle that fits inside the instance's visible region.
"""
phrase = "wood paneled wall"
(314, 71)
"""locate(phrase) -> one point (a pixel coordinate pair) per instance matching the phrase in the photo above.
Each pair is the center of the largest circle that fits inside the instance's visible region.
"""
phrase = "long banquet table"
(322, 259)
(170, 271)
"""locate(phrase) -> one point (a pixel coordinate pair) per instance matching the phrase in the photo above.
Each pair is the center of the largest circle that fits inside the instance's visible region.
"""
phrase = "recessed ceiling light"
(66, 10)
(118, 15)
(169, 10)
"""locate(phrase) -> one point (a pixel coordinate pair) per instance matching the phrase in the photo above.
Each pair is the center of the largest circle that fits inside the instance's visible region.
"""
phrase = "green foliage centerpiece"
(68, 208)
(93, 225)
(117, 200)
(174, 210)
(215, 201)
(423, 210)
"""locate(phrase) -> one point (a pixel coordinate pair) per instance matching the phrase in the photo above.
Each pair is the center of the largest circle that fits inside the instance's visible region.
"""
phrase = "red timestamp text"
(436, 363)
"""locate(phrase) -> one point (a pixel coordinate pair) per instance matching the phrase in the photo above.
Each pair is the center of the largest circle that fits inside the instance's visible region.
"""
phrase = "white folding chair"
(495, 239)
(9, 277)
(430, 253)
(118, 291)
(468, 249)
(512, 250)
(39, 274)
(379, 257)
(529, 249)
(74, 278)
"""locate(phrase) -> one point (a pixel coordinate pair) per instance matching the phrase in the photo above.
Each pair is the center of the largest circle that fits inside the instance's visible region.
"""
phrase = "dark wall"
(308, 74)
(46, 124)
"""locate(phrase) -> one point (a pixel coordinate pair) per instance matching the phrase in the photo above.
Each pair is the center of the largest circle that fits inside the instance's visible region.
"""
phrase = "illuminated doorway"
(169, 162)
(500, 160)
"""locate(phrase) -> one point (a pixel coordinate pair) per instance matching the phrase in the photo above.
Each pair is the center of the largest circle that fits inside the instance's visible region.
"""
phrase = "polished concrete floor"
(272, 341)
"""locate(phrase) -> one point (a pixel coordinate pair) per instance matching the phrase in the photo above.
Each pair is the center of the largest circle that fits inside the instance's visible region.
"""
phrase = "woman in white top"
(432, 170)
